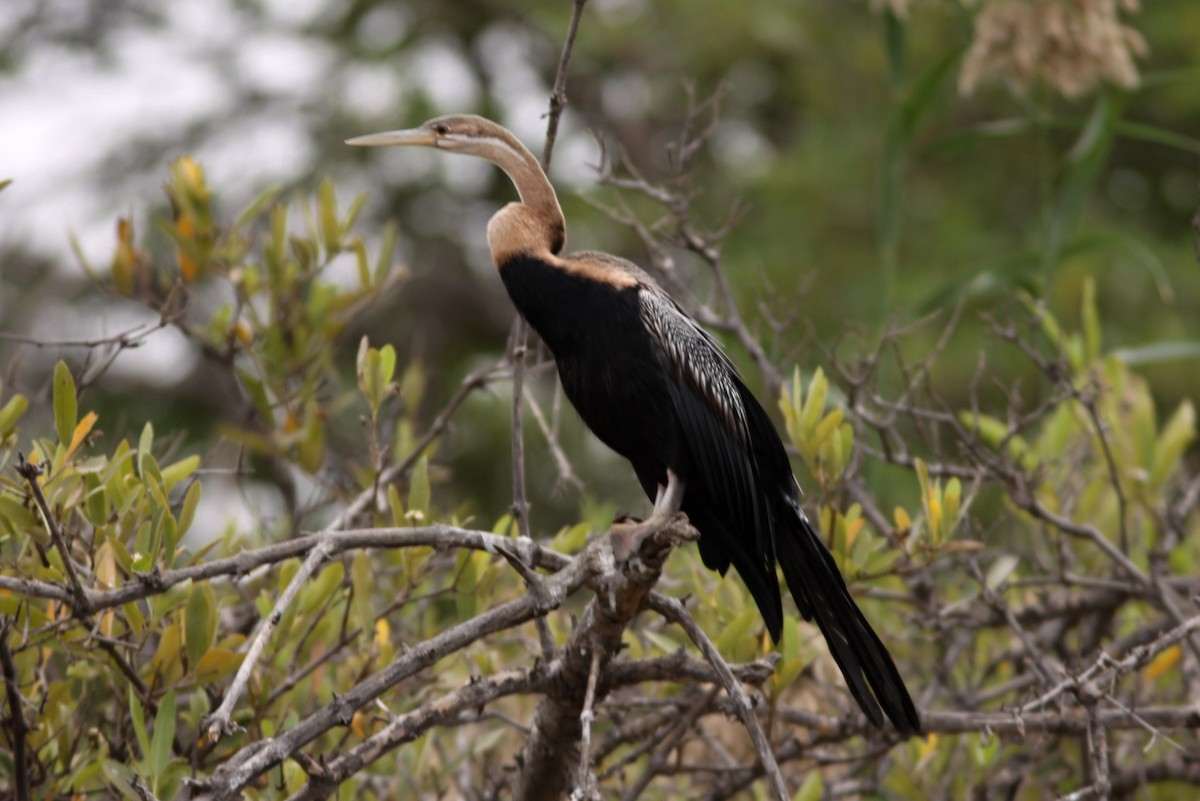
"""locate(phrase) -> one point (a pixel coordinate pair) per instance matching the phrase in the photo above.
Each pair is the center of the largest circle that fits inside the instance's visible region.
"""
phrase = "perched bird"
(656, 388)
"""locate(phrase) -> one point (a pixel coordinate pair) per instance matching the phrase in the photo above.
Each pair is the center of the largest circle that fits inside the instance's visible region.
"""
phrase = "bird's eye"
(441, 129)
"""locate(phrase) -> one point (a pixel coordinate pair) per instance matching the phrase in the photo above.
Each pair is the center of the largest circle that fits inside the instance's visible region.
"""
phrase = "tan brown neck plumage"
(536, 224)
(518, 230)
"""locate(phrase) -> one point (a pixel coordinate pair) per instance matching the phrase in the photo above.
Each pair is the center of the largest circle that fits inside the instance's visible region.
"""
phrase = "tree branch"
(254, 759)
(221, 723)
(553, 748)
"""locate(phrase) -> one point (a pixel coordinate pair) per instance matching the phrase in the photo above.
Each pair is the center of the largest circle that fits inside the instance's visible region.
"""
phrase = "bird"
(653, 385)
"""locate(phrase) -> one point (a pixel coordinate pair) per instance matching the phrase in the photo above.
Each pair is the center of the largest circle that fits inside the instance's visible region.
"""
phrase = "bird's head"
(457, 133)
(476, 136)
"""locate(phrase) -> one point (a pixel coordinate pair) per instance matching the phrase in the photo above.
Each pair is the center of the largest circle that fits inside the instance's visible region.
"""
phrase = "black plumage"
(658, 390)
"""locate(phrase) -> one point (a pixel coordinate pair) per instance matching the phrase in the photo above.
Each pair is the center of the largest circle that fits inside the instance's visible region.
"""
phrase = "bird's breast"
(603, 350)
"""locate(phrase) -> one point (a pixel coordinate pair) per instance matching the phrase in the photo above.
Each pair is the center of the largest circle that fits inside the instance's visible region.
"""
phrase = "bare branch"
(30, 473)
(585, 779)
(552, 750)
(254, 759)
(221, 723)
(16, 722)
(673, 610)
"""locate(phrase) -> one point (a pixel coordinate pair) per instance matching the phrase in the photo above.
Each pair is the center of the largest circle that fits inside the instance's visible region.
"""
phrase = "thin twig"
(517, 351)
(672, 609)
(585, 781)
(18, 726)
(368, 497)
(405, 728)
(558, 96)
(30, 473)
(256, 758)
(221, 723)
(144, 793)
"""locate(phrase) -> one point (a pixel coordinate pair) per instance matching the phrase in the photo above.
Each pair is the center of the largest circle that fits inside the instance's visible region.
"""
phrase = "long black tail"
(820, 593)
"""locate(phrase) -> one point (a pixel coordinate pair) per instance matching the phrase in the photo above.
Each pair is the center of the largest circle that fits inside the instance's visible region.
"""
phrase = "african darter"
(656, 388)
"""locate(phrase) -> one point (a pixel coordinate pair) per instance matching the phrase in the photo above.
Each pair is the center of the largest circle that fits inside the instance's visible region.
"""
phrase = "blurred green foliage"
(872, 191)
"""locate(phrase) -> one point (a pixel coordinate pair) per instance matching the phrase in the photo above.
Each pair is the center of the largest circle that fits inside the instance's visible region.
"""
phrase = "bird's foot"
(629, 533)
(627, 538)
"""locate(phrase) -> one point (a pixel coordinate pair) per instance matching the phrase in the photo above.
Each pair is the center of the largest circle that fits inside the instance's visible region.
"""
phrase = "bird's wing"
(709, 400)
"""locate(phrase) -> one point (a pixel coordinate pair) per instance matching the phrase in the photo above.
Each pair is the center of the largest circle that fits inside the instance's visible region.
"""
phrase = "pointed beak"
(412, 136)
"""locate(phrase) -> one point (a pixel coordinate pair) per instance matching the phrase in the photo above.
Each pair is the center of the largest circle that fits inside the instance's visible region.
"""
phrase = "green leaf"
(169, 601)
(4, 183)
(1158, 352)
(1084, 164)
(311, 453)
(737, 630)
(395, 505)
(362, 582)
(173, 474)
(990, 131)
(95, 506)
(361, 261)
(1176, 436)
(789, 406)
(187, 512)
(200, 623)
(369, 363)
(387, 252)
(812, 789)
(264, 199)
(11, 413)
(258, 395)
(919, 100)
(375, 371)
(168, 650)
(216, 664)
(321, 588)
(164, 735)
(419, 493)
(1159, 136)
(64, 403)
(1091, 323)
(133, 613)
(119, 776)
(387, 357)
(895, 45)
(569, 540)
(951, 499)
(356, 207)
(327, 210)
(828, 426)
(814, 404)
(145, 442)
(139, 725)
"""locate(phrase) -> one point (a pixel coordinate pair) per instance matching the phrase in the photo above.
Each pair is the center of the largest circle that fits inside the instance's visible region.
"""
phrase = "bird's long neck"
(534, 225)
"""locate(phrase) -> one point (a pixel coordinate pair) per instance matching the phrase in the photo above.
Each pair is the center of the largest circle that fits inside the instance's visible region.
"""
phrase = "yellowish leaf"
(106, 578)
(1163, 662)
(927, 749)
(243, 333)
(853, 527)
(216, 664)
(186, 227)
(82, 429)
(192, 175)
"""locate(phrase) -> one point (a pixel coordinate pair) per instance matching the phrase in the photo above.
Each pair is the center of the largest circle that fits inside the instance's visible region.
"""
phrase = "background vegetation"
(950, 242)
